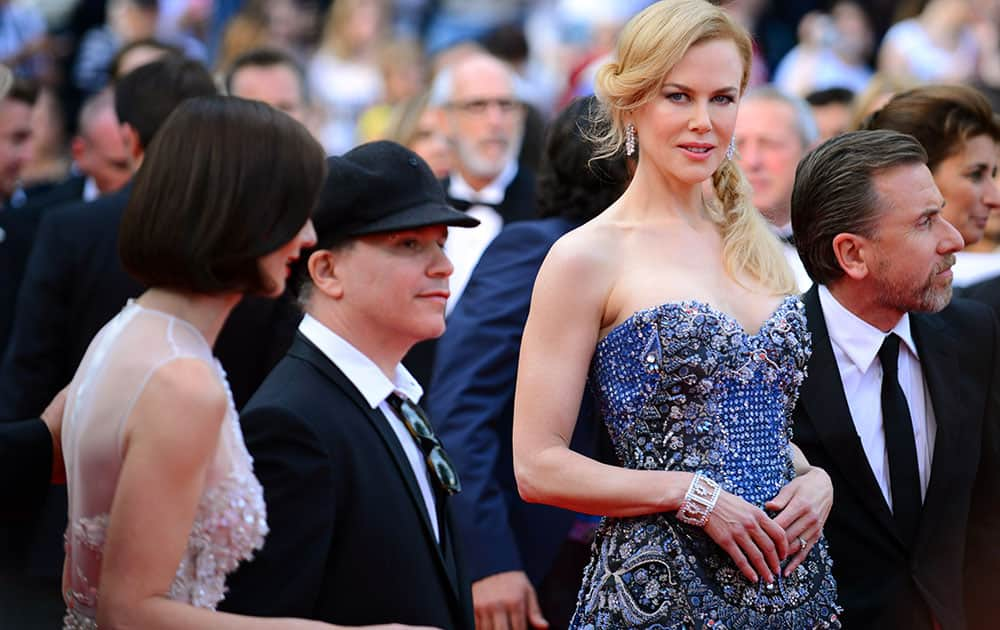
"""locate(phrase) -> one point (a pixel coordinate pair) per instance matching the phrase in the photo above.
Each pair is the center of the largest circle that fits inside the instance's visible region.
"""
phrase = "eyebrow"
(685, 88)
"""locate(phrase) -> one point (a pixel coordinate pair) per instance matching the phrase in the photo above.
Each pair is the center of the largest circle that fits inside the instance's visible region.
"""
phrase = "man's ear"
(323, 271)
(854, 253)
(131, 139)
(77, 148)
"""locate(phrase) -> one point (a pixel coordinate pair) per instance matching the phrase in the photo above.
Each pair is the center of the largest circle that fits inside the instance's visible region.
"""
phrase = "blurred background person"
(274, 77)
(404, 76)
(344, 74)
(127, 21)
(831, 108)
(832, 52)
(421, 128)
(938, 44)
(773, 131)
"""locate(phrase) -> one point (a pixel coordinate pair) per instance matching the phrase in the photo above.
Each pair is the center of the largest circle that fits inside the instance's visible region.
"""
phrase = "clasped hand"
(757, 543)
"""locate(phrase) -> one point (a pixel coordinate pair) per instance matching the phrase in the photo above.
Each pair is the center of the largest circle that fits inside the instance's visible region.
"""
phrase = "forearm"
(561, 477)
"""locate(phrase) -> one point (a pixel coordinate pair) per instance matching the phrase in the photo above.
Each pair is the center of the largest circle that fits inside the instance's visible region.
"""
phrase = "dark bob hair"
(225, 182)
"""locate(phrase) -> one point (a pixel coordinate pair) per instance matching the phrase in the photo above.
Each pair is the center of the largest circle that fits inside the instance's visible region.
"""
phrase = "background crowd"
(472, 87)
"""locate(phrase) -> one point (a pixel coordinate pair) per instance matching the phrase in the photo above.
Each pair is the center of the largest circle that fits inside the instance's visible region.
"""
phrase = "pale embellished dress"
(230, 522)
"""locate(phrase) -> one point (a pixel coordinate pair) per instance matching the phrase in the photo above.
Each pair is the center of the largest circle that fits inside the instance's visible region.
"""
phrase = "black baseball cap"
(381, 187)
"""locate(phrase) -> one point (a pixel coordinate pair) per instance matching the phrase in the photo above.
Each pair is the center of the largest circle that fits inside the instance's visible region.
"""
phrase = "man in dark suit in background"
(902, 403)
(103, 166)
(17, 225)
(356, 484)
(74, 283)
(485, 127)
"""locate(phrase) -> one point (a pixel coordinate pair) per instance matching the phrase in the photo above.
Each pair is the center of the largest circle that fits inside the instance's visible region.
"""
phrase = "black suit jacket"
(518, 205)
(17, 232)
(73, 285)
(987, 292)
(350, 541)
(881, 583)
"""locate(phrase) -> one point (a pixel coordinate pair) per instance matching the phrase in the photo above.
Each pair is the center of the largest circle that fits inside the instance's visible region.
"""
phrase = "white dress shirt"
(855, 346)
(802, 279)
(375, 388)
(464, 247)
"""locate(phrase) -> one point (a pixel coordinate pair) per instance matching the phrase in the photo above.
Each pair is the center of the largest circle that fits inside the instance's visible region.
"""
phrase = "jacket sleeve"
(285, 577)
(473, 392)
(34, 366)
(982, 573)
(26, 462)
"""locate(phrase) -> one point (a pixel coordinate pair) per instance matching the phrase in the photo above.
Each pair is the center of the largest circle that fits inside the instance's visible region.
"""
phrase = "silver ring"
(802, 542)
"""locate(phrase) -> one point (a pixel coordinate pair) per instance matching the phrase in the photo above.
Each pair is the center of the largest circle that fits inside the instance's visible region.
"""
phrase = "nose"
(440, 266)
(308, 234)
(991, 195)
(700, 121)
(951, 241)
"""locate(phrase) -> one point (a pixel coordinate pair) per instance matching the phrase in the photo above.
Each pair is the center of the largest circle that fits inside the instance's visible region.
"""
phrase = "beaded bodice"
(230, 520)
(682, 386)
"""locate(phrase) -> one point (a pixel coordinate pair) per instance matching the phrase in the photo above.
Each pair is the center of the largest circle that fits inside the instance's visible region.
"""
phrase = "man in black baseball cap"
(356, 483)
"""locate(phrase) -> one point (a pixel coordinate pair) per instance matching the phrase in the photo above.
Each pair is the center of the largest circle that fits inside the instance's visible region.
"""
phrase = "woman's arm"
(561, 333)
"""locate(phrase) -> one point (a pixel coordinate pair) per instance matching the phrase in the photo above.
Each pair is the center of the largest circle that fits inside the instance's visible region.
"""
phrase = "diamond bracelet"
(700, 500)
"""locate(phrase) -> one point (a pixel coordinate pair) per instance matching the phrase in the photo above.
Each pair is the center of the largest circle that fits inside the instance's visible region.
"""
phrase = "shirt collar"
(361, 370)
(493, 193)
(859, 340)
(90, 190)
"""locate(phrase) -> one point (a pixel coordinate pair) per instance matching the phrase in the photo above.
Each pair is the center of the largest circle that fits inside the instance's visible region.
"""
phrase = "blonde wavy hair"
(649, 46)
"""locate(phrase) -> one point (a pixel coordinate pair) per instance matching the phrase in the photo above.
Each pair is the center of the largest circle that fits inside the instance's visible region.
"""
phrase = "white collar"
(781, 231)
(361, 370)
(90, 190)
(493, 193)
(859, 340)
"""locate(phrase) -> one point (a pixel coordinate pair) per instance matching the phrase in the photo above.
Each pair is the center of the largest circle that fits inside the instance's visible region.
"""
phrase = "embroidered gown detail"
(682, 386)
(230, 520)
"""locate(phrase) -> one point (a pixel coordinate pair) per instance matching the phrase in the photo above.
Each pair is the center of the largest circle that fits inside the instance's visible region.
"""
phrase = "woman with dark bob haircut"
(163, 502)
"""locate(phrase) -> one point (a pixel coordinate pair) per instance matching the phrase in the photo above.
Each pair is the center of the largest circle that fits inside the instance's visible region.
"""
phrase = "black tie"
(904, 475)
(465, 204)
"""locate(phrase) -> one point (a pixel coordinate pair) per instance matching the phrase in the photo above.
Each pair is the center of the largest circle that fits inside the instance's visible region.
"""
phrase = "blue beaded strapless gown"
(682, 386)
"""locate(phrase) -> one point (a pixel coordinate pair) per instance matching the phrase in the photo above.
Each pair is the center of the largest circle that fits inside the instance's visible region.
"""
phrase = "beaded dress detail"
(682, 386)
(230, 520)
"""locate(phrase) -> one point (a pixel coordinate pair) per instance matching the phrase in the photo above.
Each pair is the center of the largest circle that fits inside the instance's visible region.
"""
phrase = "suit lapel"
(940, 366)
(822, 397)
(304, 349)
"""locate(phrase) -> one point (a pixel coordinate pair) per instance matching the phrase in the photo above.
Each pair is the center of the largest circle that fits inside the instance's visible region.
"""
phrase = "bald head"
(99, 148)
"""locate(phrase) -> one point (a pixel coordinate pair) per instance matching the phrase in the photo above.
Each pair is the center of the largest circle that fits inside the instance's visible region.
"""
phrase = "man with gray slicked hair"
(773, 132)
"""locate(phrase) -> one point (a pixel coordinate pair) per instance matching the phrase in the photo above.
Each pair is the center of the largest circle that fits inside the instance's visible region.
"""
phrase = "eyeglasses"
(419, 426)
(478, 107)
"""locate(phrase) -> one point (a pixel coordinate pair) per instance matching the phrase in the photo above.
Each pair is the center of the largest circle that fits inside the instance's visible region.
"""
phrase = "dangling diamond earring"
(731, 151)
(629, 140)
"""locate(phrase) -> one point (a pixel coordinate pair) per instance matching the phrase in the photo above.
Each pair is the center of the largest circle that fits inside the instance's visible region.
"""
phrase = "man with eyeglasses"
(356, 483)
(485, 126)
